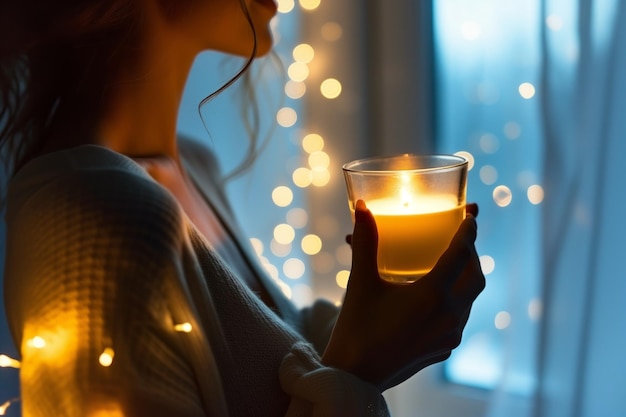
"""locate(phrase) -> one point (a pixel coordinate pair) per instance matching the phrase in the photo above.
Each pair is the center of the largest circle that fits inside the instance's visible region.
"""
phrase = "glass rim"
(456, 161)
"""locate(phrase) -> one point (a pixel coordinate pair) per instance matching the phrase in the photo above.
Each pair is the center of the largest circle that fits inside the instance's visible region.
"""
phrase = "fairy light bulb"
(106, 357)
(183, 327)
(7, 362)
(37, 342)
(4, 407)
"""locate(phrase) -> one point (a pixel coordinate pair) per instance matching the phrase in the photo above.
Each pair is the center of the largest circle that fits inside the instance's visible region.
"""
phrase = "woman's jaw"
(270, 4)
(261, 13)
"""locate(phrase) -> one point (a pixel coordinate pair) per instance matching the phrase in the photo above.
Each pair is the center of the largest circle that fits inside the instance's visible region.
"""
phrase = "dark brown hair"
(52, 60)
(55, 60)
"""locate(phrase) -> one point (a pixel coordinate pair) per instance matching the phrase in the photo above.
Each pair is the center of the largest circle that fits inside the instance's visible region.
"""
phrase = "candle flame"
(405, 197)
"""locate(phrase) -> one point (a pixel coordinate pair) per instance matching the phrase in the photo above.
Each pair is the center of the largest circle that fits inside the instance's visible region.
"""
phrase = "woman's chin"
(263, 48)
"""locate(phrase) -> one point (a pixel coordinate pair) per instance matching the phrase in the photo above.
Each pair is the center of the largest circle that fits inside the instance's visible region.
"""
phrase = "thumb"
(364, 243)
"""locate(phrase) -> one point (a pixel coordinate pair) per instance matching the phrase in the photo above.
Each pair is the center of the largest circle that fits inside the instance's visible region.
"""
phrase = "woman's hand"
(387, 332)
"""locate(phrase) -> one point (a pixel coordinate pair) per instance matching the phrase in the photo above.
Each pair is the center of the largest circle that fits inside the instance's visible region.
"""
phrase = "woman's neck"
(134, 110)
(142, 107)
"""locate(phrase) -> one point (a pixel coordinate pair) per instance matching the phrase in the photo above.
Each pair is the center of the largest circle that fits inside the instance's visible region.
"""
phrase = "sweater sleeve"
(320, 391)
(317, 322)
(87, 298)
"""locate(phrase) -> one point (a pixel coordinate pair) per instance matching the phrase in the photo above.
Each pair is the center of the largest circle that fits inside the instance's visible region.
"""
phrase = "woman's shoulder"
(88, 182)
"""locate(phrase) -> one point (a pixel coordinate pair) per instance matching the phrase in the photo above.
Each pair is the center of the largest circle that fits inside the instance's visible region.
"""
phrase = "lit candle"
(418, 203)
(413, 233)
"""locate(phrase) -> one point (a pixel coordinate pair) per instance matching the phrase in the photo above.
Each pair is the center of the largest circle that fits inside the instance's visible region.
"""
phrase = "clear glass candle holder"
(418, 202)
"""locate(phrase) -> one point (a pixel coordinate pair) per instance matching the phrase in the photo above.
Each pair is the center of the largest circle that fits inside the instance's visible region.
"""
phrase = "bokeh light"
(330, 88)
(526, 90)
(284, 234)
(286, 117)
(312, 143)
(282, 196)
(311, 244)
(502, 195)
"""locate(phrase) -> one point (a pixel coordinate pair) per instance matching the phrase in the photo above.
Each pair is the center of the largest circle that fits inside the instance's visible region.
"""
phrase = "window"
(488, 69)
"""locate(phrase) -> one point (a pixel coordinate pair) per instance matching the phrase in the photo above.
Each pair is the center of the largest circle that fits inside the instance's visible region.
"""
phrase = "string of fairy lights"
(314, 174)
(300, 62)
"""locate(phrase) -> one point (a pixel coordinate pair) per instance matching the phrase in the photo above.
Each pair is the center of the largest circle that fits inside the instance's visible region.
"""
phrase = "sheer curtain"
(533, 92)
(581, 368)
(556, 284)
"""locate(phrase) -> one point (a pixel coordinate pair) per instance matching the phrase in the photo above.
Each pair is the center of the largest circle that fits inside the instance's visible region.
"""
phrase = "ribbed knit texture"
(101, 259)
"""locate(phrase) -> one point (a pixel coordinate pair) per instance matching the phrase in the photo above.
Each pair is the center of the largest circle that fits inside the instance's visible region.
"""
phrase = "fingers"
(471, 208)
(460, 252)
(472, 281)
(364, 243)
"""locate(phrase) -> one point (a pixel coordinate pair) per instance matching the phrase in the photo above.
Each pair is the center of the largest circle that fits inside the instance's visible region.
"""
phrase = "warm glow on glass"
(535, 194)
(502, 195)
(487, 264)
(298, 71)
(295, 89)
(469, 157)
(526, 90)
(106, 357)
(282, 196)
(342, 278)
(312, 143)
(488, 174)
(302, 177)
(311, 244)
(331, 31)
(502, 320)
(319, 159)
(285, 6)
(7, 362)
(284, 234)
(303, 53)
(297, 217)
(320, 177)
(183, 327)
(330, 88)
(293, 268)
(286, 117)
(309, 4)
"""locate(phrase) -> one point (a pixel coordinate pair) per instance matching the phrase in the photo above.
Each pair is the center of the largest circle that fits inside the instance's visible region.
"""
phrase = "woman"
(128, 290)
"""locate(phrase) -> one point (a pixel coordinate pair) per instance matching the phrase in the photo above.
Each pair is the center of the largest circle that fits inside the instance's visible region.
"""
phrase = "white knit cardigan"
(120, 307)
